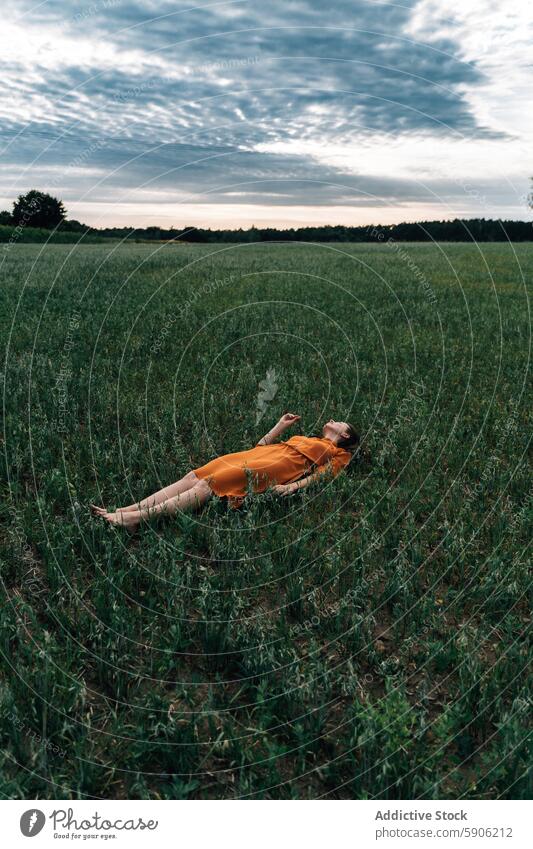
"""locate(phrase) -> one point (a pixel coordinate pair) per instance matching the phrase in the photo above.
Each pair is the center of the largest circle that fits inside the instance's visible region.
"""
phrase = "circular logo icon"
(32, 822)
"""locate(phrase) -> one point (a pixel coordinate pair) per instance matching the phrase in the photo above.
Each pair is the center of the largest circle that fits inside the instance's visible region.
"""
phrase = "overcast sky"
(281, 113)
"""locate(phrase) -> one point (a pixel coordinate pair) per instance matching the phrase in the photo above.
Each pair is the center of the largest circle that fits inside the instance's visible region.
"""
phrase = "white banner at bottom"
(267, 825)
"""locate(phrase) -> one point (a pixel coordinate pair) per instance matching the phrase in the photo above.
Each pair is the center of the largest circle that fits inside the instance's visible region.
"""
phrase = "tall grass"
(366, 639)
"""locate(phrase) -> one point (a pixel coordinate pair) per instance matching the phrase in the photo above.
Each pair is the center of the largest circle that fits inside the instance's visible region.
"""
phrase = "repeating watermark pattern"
(24, 548)
(301, 628)
(404, 414)
(25, 220)
(518, 517)
(94, 9)
(471, 492)
(229, 64)
(60, 389)
(392, 243)
(135, 91)
(42, 742)
(57, 182)
(183, 309)
(356, 611)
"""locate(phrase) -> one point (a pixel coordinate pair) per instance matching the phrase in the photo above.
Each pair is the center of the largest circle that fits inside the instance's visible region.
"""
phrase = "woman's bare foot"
(133, 508)
(125, 519)
(101, 511)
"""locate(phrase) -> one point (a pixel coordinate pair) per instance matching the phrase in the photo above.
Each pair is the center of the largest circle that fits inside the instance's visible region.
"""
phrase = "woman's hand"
(288, 419)
(285, 488)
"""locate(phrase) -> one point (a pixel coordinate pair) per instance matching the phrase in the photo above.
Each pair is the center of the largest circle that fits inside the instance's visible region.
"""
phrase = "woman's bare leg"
(177, 488)
(159, 497)
(191, 499)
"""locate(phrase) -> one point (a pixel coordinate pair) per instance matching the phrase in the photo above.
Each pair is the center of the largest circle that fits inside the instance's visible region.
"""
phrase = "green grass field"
(367, 638)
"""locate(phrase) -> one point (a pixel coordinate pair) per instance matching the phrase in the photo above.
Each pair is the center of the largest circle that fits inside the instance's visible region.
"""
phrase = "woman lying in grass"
(284, 466)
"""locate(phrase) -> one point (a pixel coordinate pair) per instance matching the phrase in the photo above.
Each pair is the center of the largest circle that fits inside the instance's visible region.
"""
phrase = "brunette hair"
(351, 442)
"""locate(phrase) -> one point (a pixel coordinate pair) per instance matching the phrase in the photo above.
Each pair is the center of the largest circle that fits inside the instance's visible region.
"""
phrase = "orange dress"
(266, 465)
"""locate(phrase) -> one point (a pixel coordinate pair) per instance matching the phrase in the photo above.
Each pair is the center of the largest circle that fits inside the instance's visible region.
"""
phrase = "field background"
(366, 639)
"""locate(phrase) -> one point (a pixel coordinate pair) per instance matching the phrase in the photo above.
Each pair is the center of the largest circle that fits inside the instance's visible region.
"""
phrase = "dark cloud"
(181, 173)
(220, 79)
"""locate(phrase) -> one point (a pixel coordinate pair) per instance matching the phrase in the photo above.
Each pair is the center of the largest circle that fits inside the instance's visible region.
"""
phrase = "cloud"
(286, 102)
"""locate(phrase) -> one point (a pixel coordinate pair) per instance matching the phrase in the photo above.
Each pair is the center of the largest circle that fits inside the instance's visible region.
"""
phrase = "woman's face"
(335, 430)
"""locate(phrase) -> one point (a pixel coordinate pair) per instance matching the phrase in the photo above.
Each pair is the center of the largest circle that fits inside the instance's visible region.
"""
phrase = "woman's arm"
(329, 469)
(286, 421)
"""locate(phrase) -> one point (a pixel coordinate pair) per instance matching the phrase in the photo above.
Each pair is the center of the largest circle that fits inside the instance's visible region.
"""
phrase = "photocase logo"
(32, 822)
(269, 388)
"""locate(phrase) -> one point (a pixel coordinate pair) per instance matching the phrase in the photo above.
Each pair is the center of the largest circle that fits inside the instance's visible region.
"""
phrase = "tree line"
(40, 210)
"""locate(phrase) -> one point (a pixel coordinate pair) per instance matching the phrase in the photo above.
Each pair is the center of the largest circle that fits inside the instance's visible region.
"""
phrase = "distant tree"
(37, 209)
(73, 226)
(5, 217)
